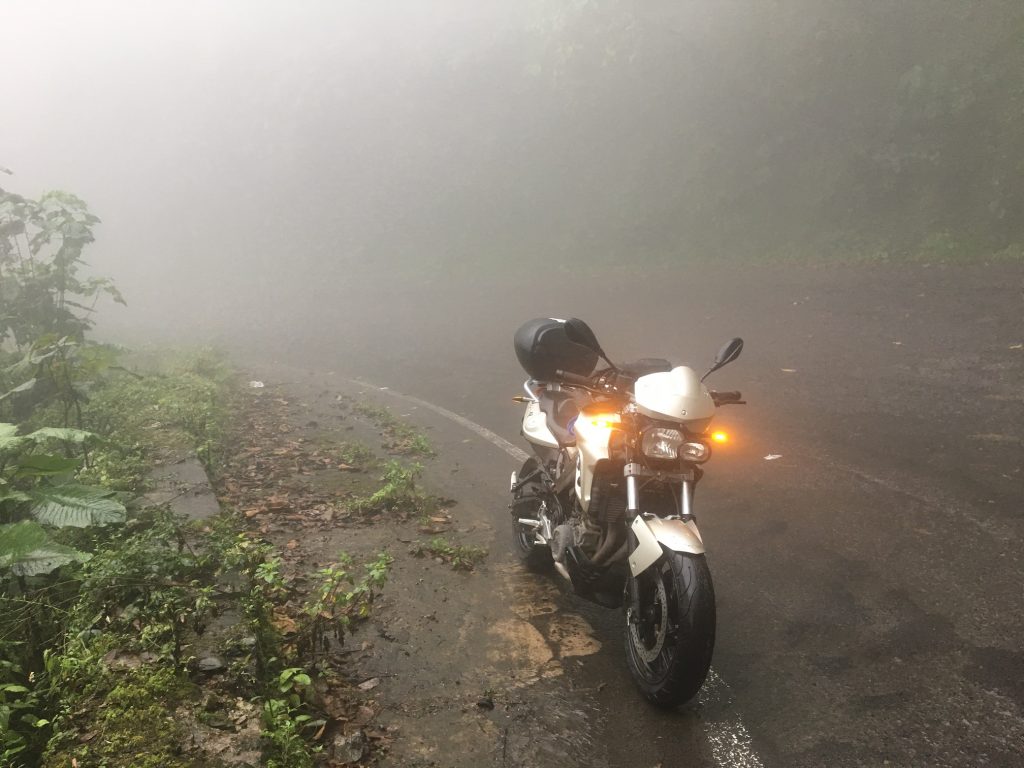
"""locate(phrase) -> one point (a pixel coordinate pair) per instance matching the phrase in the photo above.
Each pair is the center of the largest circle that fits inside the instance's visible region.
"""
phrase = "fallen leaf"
(369, 685)
(292, 544)
(285, 624)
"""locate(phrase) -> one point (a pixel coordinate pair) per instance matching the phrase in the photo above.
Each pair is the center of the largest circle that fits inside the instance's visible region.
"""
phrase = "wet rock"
(350, 748)
(215, 703)
(210, 664)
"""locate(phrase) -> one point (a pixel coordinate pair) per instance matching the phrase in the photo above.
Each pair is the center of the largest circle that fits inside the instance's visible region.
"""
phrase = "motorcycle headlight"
(667, 443)
(662, 443)
(695, 452)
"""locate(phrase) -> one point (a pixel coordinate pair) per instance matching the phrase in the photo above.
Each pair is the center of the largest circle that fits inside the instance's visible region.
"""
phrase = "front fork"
(653, 535)
(634, 472)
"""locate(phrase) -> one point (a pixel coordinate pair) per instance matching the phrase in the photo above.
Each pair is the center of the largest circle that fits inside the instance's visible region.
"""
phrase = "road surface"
(869, 580)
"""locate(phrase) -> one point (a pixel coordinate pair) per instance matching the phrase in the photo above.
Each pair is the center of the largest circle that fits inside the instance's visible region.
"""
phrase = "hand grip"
(728, 398)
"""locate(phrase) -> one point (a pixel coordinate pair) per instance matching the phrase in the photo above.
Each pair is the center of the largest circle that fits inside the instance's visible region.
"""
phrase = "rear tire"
(670, 638)
(536, 557)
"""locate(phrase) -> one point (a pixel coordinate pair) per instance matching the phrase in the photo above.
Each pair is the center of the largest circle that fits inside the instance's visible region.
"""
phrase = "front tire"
(670, 628)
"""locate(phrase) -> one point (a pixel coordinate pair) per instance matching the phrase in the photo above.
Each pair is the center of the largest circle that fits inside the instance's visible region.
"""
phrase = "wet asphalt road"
(869, 581)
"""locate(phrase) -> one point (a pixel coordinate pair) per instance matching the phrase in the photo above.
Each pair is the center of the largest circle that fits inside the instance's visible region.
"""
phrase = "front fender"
(652, 533)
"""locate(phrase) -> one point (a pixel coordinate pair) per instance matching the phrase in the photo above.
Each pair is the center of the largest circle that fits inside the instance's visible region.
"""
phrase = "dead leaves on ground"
(267, 477)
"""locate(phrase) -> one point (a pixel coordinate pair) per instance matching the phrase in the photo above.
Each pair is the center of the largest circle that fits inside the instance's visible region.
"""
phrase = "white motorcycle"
(609, 497)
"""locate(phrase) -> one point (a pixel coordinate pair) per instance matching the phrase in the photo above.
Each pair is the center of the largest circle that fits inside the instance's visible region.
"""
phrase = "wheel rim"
(651, 623)
(526, 538)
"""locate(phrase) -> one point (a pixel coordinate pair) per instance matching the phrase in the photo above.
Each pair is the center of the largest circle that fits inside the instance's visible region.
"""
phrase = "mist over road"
(388, 190)
(869, 599)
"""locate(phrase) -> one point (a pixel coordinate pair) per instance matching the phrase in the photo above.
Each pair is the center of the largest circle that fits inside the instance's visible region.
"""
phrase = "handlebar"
(728, 398)
(734, 397)
(572, 378)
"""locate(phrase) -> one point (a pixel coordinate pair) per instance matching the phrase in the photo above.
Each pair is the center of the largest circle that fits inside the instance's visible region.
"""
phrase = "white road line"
(729, 738)
(516, 453)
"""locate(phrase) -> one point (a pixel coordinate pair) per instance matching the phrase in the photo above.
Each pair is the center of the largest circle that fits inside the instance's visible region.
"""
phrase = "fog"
(264, 166)
(337, 192)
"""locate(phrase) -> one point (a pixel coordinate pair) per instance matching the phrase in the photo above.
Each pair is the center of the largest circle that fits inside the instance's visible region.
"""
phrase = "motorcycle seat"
(560, 410)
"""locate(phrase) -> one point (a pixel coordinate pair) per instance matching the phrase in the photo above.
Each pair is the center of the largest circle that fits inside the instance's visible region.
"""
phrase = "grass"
(127, 718)
(152, 587)
(399, 493)
(460, 557)
(356, 455)
(401, 437)
(177, 403)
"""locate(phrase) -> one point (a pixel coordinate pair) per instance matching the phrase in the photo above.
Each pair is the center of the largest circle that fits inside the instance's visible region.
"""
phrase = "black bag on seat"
(543, 347)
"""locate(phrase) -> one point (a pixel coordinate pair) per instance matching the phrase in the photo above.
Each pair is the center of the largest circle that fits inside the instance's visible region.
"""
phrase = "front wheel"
(670, 628)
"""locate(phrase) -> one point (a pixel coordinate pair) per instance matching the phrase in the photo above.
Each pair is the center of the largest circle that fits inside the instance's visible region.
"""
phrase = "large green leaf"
(75, 505)
(25, 387)
(8, 493)
(62, 433)
(39, 464)
(10, 441)
(27, 550)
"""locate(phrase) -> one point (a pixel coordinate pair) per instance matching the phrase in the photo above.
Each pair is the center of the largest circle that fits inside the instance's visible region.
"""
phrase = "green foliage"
(130, 714)
(459, 556)
(148, 585)
(137, 587)
(355, 455)
(284, 725)
(35, 488)
(142, 590)
(401, 437)
(20, 727)
(265, 587)
(75, 505)
(181, 402)
(50, 373)
(26, 549)
(43, 293)
(339, 599)
(399, 492)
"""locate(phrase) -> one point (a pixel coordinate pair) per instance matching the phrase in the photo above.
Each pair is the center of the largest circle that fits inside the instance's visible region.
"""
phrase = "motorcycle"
(608, 497)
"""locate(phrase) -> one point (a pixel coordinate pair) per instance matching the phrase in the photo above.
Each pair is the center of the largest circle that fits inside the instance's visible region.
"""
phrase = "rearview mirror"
(726, 355)
(579, 332)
